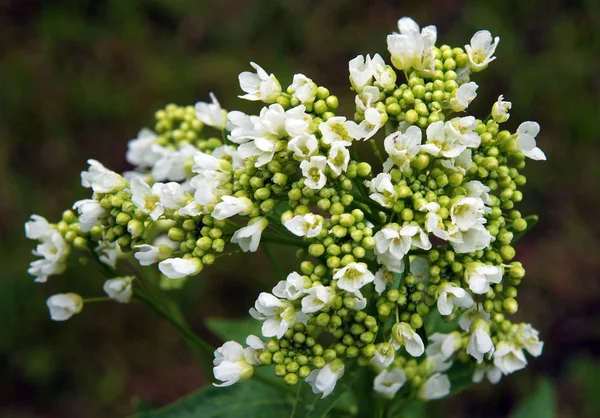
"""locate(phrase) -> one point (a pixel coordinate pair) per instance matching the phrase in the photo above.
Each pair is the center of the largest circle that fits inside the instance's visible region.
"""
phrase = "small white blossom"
(500, 110)
(90, 212)
(231, 365)
(171, 195)
(259, 85)
(231, 206)
(479, 276)
(313, 171)
(467, 212)
(146, 254)
(460, 164)
(411, 48)
(338, 129)
(404, 335)
(382, 280)
(492, 373)
(419, 268)
(526, 133)
(303, 146)
(248, 237)
(465, 94)
(53, 250)
(384, 356)
(101, 179)
(388, 382)
(317, 298)
(480, 342)
(177, 268)
(145, 199)
(436, 387)
(472, 314)
(475, 239)
(481, 50)
(292, 288)
(144, 150)
(38, 228)
(477, 189)
(385, 76)
(324, 380)
(211, 114)
(338, 158)
(382, 190)
(353, 277)
(174, 165)
(441, 348)
(403, 147)
(305, 90)
(263, 148)
(393, 243)
(509, 358)
(450, 295)
(64, 305)
(119, 288)
(361, 72)
(309, 225)
(529, 339)
(278, 315)
(373, 121)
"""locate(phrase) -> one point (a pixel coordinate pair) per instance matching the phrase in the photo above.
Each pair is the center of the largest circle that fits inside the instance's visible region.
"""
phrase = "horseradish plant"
(385, 250)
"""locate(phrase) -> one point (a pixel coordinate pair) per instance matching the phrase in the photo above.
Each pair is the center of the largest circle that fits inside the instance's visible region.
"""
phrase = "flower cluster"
(383, 253)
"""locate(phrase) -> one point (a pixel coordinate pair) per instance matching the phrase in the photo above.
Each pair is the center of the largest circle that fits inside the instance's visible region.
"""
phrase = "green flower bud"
(363, 169)
(507, 252)
(510, 305)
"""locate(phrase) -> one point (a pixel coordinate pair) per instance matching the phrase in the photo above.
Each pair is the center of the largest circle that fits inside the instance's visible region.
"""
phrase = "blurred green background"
(78, 78)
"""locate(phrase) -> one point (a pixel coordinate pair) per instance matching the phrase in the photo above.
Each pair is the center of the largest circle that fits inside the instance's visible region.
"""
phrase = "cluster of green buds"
(385, 253)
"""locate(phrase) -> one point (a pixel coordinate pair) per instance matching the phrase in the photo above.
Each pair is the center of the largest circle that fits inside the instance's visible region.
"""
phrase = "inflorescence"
(382, 251)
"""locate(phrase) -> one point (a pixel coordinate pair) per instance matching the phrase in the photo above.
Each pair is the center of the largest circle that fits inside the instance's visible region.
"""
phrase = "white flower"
(101, 179)
(317, 298)
(361, 72)
(324, 380)
(389, 382)
(119, 288)
(231, 365)
(477, 189)
(440, 140)
(460, 164)
(479, 276)
(212, 174)
(509, 358)
(303, 146)
(90, 211)
(353, 277)
(144, 151)
(441, 348)
(465, 94)
(385, 76)
(393, 243)
(54, 250)
(367, 98)
(373, 121)
(500, 110)
(404, 335)
(305, 90)
(384, 355)
(171, 195)
(240, 126)
(475, 239)
(211, 114)
(481, 49)
(403, 147)
(382, 280)
(382, 190)
(259, 85)
(313, 171)
(292, 288)
(108, 253)
(449, 295)
(278, 314)
(249, 236)
(492, 373)
(309, 225)
(255, 347)
(64, 305)
(480, 342)
(526, 133)
(528, 337)
(338, 158)
(174, 165)
(472, 314)
(144, 198)
(436, 387)
(411, 49)
(177, 268)
(467, 212)
(38, 228)
(231, 206)
(146, 254)
(338, 129)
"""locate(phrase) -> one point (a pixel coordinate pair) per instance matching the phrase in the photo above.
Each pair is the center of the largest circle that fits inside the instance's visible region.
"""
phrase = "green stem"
(276, 266)
(284, 241)
(376, 150)
(98, 299)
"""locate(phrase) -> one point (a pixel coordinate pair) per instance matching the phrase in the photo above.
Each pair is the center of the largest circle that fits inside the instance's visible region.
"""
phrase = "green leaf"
(249, 399)
(539, 405)
(309, 405)
(233, 329)
(461, 376)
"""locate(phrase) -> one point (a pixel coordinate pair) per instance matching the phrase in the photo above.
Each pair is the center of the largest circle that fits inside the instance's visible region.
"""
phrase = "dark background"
(79, 78)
